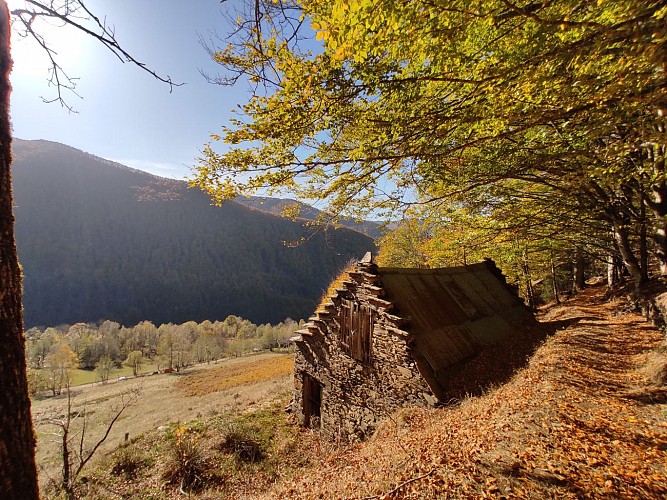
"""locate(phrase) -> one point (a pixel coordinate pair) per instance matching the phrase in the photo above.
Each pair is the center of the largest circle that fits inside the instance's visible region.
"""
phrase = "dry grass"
(229, 376)
(336, 283)
(655, 368)
(234, 455)
(161, 403)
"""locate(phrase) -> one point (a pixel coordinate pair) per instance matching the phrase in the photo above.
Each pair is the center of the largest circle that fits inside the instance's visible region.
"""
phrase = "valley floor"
(580, 421)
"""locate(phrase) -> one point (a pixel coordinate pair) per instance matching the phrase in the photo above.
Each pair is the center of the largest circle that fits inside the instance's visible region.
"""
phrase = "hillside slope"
(98, 240)
(578, 422)
(276, 206)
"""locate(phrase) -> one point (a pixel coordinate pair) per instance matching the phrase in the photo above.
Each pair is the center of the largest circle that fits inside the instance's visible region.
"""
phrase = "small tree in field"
(134, 360)
(37, 381)
(73, 430)
(60, 364)
(103, 368)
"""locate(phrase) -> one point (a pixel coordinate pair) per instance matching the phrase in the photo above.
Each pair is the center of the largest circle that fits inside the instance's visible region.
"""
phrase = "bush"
(240, 442)
(187, 466)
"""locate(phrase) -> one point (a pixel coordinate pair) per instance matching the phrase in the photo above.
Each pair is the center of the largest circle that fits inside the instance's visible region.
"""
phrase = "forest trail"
(581, 420)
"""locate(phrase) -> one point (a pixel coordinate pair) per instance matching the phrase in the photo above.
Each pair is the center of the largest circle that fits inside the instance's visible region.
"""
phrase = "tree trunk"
(67, 465)
(554, 282)
(67, 479)
(643, 244)
(612, 281)
(661, 246)
(530, 295)
(629, 259)
(656, 200)
(18, 473)
(579, 270)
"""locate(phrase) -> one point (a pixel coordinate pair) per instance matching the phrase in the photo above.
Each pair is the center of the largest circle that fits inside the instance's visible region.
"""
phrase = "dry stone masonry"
(387, 338)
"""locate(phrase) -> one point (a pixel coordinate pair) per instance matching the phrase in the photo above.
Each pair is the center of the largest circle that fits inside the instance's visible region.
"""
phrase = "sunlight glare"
(31, 59)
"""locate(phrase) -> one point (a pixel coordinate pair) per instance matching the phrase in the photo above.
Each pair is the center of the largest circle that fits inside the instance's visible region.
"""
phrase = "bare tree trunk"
(629, 259)
(18, 473)
(579, 270)
(73, 460)
(554, 283)
(66, 483)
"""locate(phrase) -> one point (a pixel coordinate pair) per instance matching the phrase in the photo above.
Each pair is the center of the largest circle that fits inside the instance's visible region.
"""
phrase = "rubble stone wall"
(356, 396)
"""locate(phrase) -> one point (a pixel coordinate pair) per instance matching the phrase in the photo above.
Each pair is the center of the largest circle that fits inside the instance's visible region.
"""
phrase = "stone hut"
(386, 338)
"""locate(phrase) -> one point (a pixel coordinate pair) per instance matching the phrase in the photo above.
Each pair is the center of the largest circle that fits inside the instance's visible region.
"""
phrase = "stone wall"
(357, 395)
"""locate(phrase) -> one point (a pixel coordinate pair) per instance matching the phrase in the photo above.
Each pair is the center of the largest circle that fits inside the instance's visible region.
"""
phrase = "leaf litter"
(580, 420)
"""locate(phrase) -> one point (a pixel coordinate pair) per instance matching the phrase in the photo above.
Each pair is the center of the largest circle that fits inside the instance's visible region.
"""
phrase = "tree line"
(52, 353)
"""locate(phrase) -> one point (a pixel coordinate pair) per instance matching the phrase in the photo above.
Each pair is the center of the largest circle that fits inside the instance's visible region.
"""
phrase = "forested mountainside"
(277, 205)
(98, 240)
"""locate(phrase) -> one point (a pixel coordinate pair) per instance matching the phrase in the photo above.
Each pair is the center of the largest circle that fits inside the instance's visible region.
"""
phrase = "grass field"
(164, 399)
(82, 377)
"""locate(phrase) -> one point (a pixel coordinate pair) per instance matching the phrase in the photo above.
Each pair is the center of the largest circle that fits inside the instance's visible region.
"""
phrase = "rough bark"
(18, 473)
(656, 201)
(579, 270)
(612, 274)
(643, 243)
(658, 207)
(622, 239)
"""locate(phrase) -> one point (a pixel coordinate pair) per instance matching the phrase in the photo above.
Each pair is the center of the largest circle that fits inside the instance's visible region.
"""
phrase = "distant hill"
(276, 205)
(98, 240)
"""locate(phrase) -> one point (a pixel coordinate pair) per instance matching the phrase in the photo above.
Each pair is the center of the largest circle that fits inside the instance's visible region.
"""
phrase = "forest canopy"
(511, 128)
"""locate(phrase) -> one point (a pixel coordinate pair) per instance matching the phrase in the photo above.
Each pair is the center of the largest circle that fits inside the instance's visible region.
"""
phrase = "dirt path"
(578, 422)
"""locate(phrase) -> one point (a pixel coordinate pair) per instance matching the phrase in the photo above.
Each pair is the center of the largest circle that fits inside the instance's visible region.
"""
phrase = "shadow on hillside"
(498, 363)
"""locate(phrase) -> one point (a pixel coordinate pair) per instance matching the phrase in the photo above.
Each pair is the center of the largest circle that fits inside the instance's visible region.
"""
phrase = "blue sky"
(124, 114)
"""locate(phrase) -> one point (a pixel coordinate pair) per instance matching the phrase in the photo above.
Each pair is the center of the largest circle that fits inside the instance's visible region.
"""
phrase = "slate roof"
(453, 313)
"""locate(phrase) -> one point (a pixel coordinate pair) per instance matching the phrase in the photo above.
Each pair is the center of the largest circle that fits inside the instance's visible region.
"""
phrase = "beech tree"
(18, 474)
(103, 368)
(60, 364)
(406, 103)
(134, 360)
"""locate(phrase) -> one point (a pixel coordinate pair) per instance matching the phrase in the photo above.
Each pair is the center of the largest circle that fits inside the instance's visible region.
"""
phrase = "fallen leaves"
(572, 424)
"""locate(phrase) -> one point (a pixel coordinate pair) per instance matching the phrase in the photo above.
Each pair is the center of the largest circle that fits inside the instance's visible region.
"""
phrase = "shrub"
(241, 442)
(187, 465)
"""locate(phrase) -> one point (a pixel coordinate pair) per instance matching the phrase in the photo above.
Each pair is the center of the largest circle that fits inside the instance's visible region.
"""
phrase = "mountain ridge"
(308, 212)
(100, 240)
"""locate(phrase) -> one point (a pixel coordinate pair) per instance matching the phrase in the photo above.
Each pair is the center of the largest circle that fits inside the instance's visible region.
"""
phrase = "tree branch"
(97, 29)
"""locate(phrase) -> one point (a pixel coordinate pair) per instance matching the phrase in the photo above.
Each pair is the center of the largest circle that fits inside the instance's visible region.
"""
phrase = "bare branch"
(127, 401)
(76, 14)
